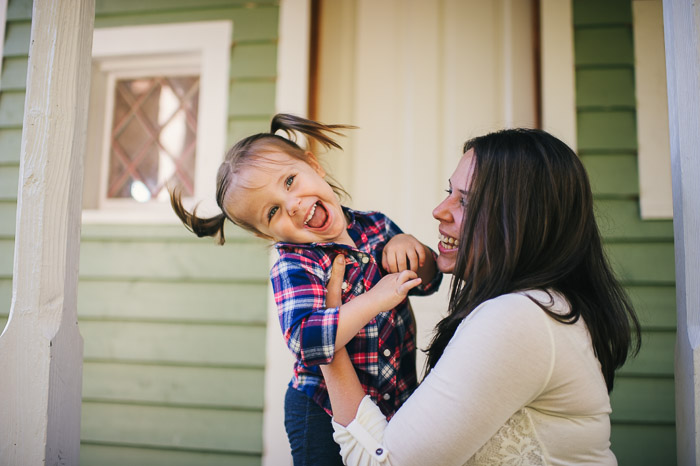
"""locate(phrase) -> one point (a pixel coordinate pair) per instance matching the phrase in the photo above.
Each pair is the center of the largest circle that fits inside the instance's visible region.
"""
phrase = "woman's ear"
(313, 161)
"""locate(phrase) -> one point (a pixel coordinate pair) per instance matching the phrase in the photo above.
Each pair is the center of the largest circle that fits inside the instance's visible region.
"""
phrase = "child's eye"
(272, 212)
(288, 181)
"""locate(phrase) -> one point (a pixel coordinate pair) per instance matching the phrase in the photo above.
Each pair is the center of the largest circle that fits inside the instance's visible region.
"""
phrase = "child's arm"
(385, 295)
(313, 329)
(405, 252)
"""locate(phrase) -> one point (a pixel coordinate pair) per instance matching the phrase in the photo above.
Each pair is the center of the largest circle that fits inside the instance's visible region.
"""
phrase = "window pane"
(154, 135)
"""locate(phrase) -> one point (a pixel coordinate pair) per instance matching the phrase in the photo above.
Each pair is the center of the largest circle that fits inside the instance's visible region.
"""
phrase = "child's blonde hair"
(243, 154)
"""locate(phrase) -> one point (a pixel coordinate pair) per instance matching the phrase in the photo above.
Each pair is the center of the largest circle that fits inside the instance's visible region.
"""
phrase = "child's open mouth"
(317, 216)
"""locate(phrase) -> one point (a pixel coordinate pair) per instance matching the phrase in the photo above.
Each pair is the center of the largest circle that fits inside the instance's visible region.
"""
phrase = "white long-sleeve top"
(513, 386)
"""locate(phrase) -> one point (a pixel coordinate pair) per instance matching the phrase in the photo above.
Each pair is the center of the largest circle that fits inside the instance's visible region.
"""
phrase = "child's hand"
(392, 289)
(403, 252)
(356, 313)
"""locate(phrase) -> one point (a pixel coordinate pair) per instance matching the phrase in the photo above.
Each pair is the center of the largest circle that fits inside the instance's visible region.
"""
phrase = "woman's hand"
(403, 252)
(334, 288)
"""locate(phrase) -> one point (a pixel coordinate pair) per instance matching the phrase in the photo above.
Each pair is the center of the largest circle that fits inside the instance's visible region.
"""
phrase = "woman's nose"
(442, 211)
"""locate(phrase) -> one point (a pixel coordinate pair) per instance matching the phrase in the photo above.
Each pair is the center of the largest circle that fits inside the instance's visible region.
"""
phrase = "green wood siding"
(643, 417)
(106, 455)
(174, 326)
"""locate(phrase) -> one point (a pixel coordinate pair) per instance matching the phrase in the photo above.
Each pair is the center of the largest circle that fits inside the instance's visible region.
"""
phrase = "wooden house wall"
(174, 326)
(643, 431)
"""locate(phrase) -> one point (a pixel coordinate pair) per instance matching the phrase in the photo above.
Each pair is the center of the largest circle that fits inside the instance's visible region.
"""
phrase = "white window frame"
(201, 48)
(653, 149)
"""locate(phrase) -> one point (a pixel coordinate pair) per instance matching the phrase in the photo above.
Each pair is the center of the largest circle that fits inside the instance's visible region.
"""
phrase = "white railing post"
(682, 37)
(41, 348)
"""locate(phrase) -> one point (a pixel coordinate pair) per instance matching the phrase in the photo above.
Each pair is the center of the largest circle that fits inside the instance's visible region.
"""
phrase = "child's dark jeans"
(309, 431)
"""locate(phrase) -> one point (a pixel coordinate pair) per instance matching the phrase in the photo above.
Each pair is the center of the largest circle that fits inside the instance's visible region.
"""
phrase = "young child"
(270, 186)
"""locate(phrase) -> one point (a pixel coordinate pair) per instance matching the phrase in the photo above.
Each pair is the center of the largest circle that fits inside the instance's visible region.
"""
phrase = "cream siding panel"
(418, 79)
(655, 197)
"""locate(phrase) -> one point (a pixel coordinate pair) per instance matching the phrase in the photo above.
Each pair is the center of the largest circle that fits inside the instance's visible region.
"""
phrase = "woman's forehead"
(463, 172)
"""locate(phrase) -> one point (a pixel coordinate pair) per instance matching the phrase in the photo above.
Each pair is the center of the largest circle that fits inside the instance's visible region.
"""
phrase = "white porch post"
(41, 348)
(682, 34)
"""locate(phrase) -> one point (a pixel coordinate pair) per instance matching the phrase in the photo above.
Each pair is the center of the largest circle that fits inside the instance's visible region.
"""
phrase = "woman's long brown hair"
(529, 225)
(244, 153)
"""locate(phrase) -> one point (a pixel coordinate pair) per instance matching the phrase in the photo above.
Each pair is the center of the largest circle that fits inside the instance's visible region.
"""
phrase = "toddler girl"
(270, 186)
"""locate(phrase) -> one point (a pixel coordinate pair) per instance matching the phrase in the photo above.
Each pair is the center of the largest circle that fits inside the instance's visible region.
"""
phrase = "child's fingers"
(408, 286)
(334, 288)
(406, 275)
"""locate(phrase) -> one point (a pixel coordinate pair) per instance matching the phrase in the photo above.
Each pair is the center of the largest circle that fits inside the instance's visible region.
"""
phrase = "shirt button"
(387, 352)
(379, 451)
(365, 259)
(386, 396)
(344, 286)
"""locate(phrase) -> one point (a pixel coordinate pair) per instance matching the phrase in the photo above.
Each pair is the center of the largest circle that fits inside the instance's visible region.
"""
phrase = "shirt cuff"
(316, 339)
(361, 441)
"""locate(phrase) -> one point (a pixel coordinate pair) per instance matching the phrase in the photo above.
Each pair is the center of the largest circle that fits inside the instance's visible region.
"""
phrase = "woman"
(521, 368)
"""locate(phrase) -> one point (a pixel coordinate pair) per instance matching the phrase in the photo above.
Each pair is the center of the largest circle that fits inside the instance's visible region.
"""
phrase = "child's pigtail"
(213, 226)
(312, 129)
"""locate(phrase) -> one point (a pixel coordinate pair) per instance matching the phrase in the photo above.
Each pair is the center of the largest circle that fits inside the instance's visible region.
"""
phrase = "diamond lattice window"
(153, 138)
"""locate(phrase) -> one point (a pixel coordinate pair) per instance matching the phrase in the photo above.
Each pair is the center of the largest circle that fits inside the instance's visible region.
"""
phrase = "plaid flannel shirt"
(384, 351)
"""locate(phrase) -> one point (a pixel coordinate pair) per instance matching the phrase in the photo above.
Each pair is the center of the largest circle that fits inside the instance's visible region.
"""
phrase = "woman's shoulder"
(524, 302)
(529, 300)
(516, 313)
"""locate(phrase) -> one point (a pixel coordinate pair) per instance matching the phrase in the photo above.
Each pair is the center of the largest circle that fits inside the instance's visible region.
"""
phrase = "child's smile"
(287, 200)
(316, 221)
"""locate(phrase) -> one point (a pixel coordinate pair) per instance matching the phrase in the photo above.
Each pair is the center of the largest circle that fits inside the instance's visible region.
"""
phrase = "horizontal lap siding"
(174, 326)
(107, 455)
(12, 92)
(641, 252)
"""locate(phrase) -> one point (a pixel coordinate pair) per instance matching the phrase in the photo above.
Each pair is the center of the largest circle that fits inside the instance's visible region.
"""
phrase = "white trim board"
(653, 152)
(557, 70)
(291, 97)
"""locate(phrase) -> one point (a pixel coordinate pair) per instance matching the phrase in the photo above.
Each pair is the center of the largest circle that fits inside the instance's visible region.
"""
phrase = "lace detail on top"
(515, 444)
